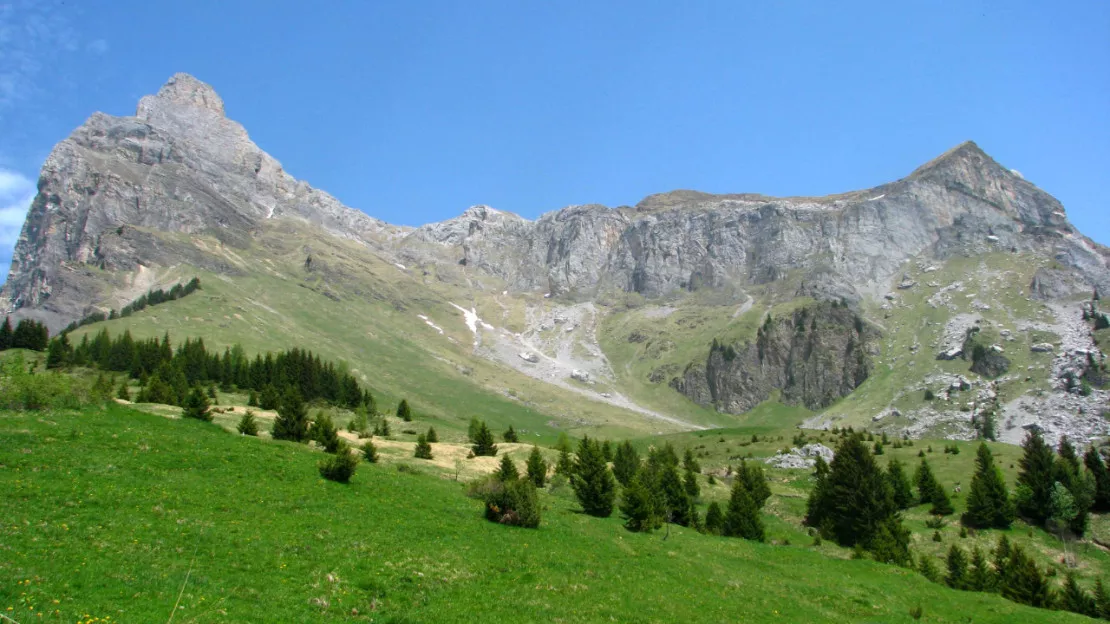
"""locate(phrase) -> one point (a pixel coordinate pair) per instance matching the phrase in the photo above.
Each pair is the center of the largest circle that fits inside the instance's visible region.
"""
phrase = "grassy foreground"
(112, 513)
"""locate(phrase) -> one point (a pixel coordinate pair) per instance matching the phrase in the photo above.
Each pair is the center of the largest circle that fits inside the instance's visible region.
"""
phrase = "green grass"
(110, 512)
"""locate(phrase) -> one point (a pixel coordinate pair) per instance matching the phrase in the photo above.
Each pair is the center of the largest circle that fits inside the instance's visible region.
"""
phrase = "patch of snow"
(400, 266)
(430, 323)
(877, 198)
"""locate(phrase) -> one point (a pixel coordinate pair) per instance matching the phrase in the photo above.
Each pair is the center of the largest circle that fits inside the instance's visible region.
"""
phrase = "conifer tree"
(6, 334)
(403, 411)
(742, 518)
(980, 577)
(1035, 478)
(340, 466)
(942, 506)
(1067, 471)
(928, 568)
(638, 505)
(536, 467)
(1073, 598)
(196, 405)
(381, 429)
(899, 484)
(714, 519)
(507, 471)
(1023, 582)
(607, 450)
(423, 450)
(432, 437)
(59, 352)
(1092, 459)
(565, 464)
(291, 422)
(1102, 600)
(927, 485)
(592, 481)
(988, 502)
(693, 489)
(252, 400)
(270, 399)
(957, 577)
(690, 463)
(890, 542)
(248, 424)
(678, 507)
(370, 452)
(626, 462)
(755, 482)
(324, 433)
(124, 394)
(510, 435)
(818, 513)
(483, 442)
(472, 429)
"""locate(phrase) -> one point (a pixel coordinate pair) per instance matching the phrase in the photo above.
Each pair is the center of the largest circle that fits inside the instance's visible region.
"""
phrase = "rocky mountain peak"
(182, 90)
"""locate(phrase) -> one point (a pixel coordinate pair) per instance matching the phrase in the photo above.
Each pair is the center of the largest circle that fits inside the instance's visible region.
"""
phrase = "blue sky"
(412, 111)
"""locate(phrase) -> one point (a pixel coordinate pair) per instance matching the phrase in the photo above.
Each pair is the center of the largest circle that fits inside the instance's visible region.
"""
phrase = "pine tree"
(607, 450)
(270, 398)
(403, 411)
(483, 442)
(1074, 599)
(340, 466)
(690, 463)
(1068, 472)
(291, 422)
(536, 467)
(678, 507)
(196, 405)
(1035, 478)
(432, 437)
(626, 462)
(714, 519)
(370, 452)
(742, 518)
(927, 485)
(324, 433)
(1092, 459)
(423, 450)
(854, 501)
(59, 352)
(818, 513)
(507, 471)
(252, 400)
(638, 505)
(472, 429)
(565, 464)
(957, 577)
(510, 435)
(690, 482)
(124, 394)
(942, 506)
(988, 502)
(381, 429)
(755, 482)
(928, 568)
(592, 482)
(1102, 600)
(248, 424)
(899, 484)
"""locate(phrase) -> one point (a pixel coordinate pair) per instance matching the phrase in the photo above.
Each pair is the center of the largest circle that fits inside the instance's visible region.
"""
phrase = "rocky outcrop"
(179, 165)
(815, 356)
(803, 458)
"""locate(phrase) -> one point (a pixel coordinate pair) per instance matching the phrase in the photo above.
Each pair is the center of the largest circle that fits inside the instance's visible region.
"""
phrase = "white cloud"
(16, 193)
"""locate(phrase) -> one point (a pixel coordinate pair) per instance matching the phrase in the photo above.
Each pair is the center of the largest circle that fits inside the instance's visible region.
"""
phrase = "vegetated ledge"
(151, 298)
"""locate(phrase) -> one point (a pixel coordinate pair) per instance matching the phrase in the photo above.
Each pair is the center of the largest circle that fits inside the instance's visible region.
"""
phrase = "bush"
(248, 425)
(929, 396)
(196, 405)
(339, 467)
(423, 450)
(370, 452)
(514, 502)
(21, 389)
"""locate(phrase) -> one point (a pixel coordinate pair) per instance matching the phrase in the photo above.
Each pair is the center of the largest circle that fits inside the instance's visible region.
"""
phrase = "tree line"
(27, 334)
(151, 298)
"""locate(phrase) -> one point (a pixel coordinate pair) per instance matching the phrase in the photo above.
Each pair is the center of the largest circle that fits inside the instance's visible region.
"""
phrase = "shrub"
(339, 467)
(423, 450)
(370, 452)
(432, 437)
(22, 389)
(196, 405)
(248, 425)
(510, 435)
(508, 502)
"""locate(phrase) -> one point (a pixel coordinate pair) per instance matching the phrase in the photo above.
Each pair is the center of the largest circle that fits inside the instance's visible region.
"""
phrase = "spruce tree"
(196, 405)
(988, 502)
(248, 424)
(291, 422)
(690, 482)
(1092, 459)
(742, 518)
(957, 577)
(690, 463)
(1023, 582)
(928, 568)
(678, 506)
(607, 450)
(472, 428)
(432, 437)
(483, 442)
(340, 466)
(854, 501)
(423, 450)
(507, 471)
(6, 333)
(626, 462)
(714, 519)
(980, 577)
(638, 505)
(124, 393)
(270, 399)
(1035, 478)
(1067, 471)
(1073, 598)
(370, 452)
(510, 435)
(324, 433)
(899, 484)
(537, 467)
(59, 352)
(403, 411)
(942, 506)
(755, 482)
(891, 542)
(592, 481)
(252, 400)
(1102, 600)
(927, 485)
(818, 512)
(565, 464)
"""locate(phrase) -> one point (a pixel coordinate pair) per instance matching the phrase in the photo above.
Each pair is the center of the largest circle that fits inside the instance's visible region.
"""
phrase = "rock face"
(802, 458)
(815, 356)
(178, 165)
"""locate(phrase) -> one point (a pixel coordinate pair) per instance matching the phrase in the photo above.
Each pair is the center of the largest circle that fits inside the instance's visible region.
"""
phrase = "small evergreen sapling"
(592, 481)
(370, 452)
(742, 518)
(124, 393)
(507, 471)
(510, 435)
(196, 405)
(340, 466)
(483, 442)
(714, 519)
(423, 450)
(537, 467)
(432, 437)
(403, 411)
(248, 424)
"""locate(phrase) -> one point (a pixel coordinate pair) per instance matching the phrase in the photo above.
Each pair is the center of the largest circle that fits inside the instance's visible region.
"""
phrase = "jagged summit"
(182, 90)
